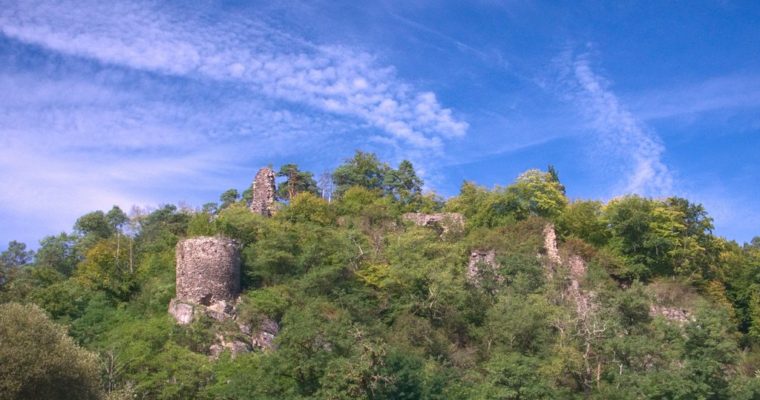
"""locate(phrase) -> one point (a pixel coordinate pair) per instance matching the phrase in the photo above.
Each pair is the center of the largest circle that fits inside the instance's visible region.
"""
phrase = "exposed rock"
(263, 338)
(220, 310)
(674, 314)
(238, 347)
(584, 302)
(264, 191)
(182, 312)
(577, 269)
(573, 270)
(208, 282)
(215, 350)
(234, 346)
(245, 328)
(550, 245)
(479, 258)
(208, 275)
(445, 222)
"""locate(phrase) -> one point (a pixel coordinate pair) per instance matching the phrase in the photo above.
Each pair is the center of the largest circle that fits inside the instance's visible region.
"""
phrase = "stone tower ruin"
(264, 191)
(208, 270)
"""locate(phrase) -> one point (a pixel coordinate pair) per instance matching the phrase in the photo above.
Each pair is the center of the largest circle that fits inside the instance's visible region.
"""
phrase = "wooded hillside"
(641, 300)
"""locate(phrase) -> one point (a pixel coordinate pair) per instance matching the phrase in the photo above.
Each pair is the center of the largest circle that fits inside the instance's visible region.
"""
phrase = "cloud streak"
(730, 93)
(621, 134)
(332, 79)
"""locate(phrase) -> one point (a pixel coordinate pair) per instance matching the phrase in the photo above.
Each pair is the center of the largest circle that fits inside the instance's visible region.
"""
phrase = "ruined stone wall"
(478, 259)
(264, 190)
(550, 245)
(208, 270)
(446, 222)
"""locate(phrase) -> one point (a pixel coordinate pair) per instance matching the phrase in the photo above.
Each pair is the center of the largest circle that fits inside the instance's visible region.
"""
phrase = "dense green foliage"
(371, 306)
(40, 361)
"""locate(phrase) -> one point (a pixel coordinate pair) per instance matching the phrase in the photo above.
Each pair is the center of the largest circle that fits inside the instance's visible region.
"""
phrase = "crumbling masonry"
(208, 283)
(445, 222)
(208, 270)
(208, 274)
(264, 190)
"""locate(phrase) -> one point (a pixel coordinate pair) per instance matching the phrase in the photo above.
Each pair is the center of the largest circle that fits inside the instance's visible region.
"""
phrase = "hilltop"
(364, 286)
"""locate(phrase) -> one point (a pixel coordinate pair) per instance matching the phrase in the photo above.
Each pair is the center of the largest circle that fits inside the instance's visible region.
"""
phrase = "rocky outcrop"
(263, 337)
(208, 284)
(673, 314)
(584, 300)
(264, 190)
(573, 269)
(246, 339)
(235, 346)
(550, 246)
(444, 222)
(183, 313)
(480, 259)
(577, 270)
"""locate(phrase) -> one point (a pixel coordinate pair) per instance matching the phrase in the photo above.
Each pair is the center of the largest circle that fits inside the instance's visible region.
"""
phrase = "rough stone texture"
(445, 222)
(234, 346)
(573, 270)
(550, 245)
(220, 310)
(479, 258)
(577, 269)
(182, 312)
(246, 340)
(263, 338)
(584, 300)
(264, 191)
(674, 314)
(208, 270)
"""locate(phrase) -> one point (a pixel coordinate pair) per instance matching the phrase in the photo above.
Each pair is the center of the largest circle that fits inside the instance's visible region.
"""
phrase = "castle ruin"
(550, 246)
(208, 274)
(264, 191)
(479, 259)
(444, 222)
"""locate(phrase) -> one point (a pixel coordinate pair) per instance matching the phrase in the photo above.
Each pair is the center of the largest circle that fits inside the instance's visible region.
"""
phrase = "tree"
(583, 219)
(210, 208)
(16, 255)
(512, 376)
(39, 361)
(554, 177)
(116, 218)
(326, 185)
(307, 207)
(229, 197)
(296, 181)
(542, 191)
(58, 252)
(484, 208)
(403, 184)
(364, 170)
(94, 224)
(105, 269)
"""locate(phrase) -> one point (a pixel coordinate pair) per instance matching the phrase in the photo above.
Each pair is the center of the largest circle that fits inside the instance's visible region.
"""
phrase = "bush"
(40, 361)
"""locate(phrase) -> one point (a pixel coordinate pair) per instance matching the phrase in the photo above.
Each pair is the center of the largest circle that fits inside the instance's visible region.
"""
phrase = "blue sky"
(146, 103)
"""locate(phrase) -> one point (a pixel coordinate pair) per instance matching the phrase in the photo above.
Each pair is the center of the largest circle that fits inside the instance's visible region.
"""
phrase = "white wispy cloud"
(148, 37)
(732, 92)
(620, 134)
(84, 146)
(146, 102)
